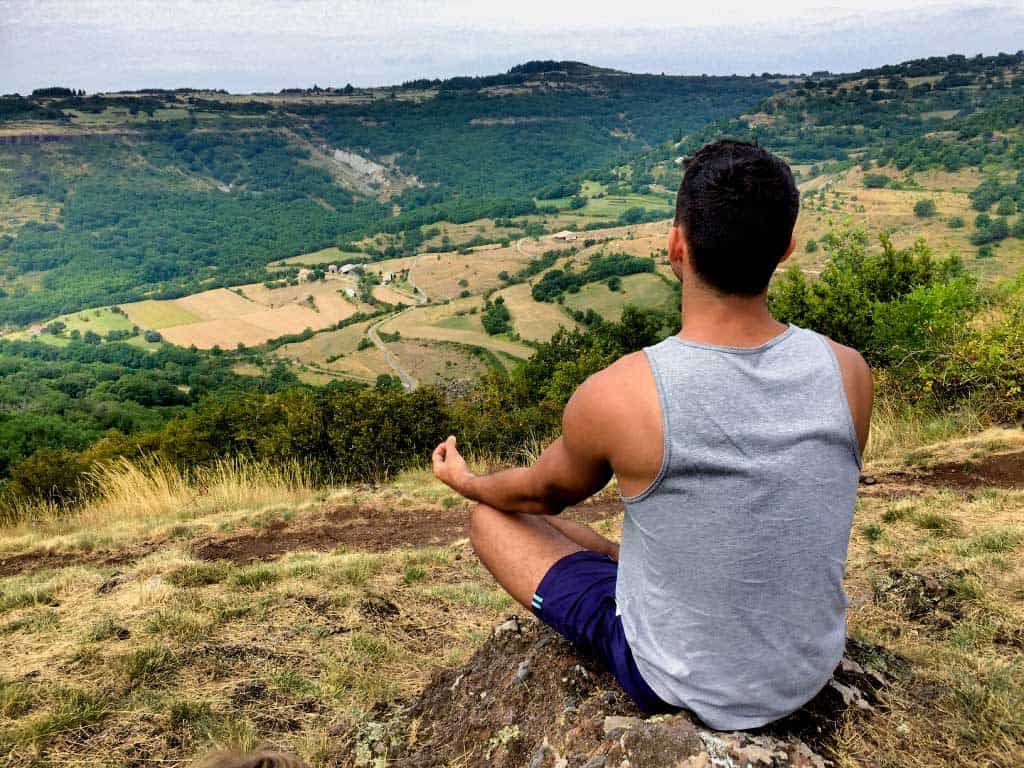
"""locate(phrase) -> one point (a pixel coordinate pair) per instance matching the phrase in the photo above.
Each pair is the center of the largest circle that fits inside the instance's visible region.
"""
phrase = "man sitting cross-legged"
(736, 446)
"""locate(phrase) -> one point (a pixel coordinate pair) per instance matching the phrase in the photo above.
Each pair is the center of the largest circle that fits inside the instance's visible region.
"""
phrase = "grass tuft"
(937, 523)
(255, 577)
(149, 665)
(200, 574)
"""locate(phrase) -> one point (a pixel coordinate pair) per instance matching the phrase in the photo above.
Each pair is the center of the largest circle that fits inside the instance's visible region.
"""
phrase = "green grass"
(991, 542)
(200, 574)
(160, 314)
(70, 709)
(355, 570)
(194, 715)
(937, 523)
(25, 596)
(643, 290)
(32, 622)
(149, 665)
(255, 577)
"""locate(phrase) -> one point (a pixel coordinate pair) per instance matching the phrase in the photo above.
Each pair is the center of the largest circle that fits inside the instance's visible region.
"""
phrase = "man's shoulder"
(851, 361)
(614, 387)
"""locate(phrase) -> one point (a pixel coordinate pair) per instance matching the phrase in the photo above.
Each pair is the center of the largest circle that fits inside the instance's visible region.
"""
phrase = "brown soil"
(363, 530)
(41, 559)
(1005, 470)
(360, 529)
(526, 698)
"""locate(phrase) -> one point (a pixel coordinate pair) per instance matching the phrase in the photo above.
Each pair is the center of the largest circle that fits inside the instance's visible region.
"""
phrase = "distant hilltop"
(554, 70)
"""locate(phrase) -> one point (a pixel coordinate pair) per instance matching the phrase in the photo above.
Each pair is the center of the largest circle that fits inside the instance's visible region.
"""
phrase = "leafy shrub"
(924, 209)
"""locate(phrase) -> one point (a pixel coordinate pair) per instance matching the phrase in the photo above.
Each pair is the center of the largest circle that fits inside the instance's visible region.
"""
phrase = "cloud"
(271, 44)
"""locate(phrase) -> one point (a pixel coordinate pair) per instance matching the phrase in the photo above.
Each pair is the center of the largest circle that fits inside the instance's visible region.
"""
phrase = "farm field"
(442, 323)
(644, 290)
(337, 353)
(101, 321)
(249, 315)
(330, 255)
(437, 363)
(534, 320)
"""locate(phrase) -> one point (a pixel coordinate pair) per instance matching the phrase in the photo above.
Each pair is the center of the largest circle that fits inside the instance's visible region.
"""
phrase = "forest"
(180, 205)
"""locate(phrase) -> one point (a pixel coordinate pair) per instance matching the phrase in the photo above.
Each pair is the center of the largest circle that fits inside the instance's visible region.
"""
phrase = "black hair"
(737, 205)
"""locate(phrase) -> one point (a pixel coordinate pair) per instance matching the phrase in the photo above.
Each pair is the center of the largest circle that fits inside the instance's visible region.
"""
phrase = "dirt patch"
(363, 530)
(526, 698)
(42, 559)
(932, 598)
(1004, 470)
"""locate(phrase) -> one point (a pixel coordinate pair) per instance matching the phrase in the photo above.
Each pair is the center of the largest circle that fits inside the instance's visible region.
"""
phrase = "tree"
(924, 209)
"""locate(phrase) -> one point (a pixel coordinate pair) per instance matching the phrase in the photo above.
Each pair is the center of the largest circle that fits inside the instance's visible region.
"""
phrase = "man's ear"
(676, 245)
(789, 251)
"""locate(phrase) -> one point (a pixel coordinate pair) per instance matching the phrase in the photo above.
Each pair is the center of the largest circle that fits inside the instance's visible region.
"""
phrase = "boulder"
(568, 713)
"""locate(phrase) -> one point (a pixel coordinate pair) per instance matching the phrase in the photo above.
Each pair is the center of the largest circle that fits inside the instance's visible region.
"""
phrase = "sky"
(264, 45)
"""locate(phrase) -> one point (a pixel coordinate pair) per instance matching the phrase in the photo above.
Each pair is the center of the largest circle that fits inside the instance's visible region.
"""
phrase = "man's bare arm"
(857, 383)
(569, 470)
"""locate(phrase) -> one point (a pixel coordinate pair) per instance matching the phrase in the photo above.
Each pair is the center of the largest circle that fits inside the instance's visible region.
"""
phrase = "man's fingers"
(443, 452)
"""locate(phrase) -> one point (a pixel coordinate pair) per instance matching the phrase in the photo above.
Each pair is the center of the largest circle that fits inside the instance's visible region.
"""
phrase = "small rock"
(377, 606)
(116, 579)
(121, 634)
(523, 671)
(597, 761)
(867, 480)
(616, 725)
(511, 625)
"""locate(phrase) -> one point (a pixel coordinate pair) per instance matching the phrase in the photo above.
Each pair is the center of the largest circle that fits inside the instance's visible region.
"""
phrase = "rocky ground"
(526, 699)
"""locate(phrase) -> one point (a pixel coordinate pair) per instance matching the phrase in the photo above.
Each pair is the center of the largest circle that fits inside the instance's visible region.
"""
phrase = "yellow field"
(391, 295)
(250, 315)
(325, 345)
(158, 315)
(440, 323)
(436, 363)
(534, 320)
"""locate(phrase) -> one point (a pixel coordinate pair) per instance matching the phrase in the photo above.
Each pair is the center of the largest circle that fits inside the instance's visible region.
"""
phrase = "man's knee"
(481, 517)
(484, 520)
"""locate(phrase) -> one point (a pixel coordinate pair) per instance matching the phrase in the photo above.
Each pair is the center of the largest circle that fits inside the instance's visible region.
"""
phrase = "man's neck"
(709, 317)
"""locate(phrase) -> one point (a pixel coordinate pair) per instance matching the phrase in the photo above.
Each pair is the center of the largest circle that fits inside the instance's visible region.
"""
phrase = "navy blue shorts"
(576, 598)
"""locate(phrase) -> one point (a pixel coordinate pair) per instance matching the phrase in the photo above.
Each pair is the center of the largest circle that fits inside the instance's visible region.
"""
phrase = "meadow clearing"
(241, 606)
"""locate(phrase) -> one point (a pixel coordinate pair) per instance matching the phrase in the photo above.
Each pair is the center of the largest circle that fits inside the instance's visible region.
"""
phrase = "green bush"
(924, 209)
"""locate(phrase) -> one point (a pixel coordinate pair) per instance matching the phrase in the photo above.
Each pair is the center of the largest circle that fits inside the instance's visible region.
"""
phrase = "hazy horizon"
(266, 45)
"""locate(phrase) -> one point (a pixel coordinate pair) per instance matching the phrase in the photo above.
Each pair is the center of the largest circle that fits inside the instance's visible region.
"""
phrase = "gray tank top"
(732, 560)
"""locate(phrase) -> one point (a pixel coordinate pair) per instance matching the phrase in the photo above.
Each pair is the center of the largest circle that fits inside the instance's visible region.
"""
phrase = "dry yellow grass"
(250, 314)
(176, 655)
(441, 323)
(534, 320)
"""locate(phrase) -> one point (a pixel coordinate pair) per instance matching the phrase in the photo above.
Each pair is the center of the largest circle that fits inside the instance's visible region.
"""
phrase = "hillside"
(118, 197)
(163, 620)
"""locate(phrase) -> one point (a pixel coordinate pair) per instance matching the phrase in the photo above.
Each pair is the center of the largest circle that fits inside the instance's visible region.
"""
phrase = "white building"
(565, 235)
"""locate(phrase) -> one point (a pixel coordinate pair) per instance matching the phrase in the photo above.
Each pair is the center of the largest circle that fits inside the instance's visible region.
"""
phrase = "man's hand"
(450, 468)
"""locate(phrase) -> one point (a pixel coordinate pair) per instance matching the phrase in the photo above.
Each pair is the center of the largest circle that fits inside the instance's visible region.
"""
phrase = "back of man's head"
(737, 206)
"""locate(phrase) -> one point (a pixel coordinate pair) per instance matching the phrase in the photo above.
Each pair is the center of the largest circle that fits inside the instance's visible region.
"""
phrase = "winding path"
(408, 380)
